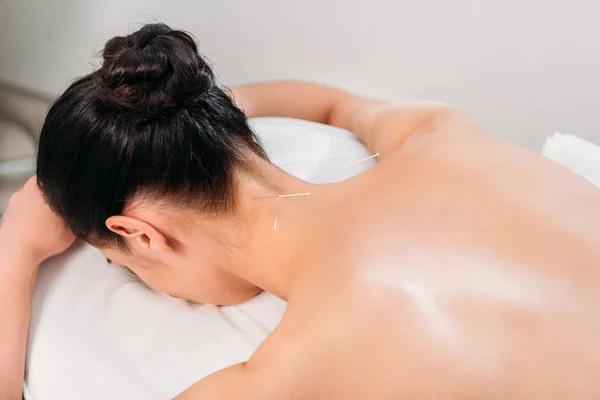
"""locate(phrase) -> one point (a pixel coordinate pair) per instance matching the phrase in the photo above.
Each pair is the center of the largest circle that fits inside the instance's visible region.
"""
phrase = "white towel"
(577, 154)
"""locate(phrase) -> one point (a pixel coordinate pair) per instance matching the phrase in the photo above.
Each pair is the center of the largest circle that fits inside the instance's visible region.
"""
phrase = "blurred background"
(523, 68)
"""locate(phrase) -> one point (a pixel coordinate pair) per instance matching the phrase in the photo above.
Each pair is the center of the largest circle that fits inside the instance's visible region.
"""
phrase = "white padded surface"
(96, 333)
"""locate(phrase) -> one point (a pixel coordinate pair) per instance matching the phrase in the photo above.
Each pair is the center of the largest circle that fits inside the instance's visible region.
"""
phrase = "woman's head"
(151, 125)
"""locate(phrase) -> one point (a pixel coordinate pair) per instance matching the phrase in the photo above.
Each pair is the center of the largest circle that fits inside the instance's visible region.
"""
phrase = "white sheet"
(98, 334)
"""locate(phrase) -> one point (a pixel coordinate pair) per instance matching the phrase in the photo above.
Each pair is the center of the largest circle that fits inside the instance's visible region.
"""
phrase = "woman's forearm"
(310, 102)
(30, 233)
(17, 278)
(293, 99)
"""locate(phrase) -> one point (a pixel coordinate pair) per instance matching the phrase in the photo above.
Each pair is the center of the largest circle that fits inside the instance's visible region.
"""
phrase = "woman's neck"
(282, 214)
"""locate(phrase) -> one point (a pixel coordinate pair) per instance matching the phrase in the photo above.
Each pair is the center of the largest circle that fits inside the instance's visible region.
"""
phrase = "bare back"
(462, 268)
(459, 267)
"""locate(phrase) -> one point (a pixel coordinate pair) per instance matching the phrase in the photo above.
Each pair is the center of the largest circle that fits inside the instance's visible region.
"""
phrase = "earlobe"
(144, 234)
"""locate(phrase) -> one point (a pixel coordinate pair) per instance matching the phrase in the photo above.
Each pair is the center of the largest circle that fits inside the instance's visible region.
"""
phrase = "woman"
(458, 267)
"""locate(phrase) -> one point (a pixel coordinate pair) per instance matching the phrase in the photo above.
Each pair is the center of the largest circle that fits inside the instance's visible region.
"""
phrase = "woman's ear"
(143, 234)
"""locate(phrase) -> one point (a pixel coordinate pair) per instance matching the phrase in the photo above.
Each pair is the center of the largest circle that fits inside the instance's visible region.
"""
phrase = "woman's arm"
(16, 286)
(382, 126)
(293, 99)
(285, 366)
(29, 233)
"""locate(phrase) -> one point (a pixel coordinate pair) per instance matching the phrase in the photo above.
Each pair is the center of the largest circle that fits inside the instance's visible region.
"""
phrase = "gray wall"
(523, 68)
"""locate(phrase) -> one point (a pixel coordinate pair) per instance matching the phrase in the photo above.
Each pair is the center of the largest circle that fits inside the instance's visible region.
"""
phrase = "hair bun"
(154, 68)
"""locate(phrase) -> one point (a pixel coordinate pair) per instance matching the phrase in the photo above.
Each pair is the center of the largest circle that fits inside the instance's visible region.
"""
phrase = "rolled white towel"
(577, 154)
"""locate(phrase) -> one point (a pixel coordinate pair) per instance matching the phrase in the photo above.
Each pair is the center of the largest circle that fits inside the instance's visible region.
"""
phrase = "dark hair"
(152, 120)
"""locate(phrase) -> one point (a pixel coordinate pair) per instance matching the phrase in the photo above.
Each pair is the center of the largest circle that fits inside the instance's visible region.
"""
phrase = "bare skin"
(459, 267)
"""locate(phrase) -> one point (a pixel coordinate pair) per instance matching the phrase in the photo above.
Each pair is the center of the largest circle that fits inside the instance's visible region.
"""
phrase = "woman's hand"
(30, 230)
